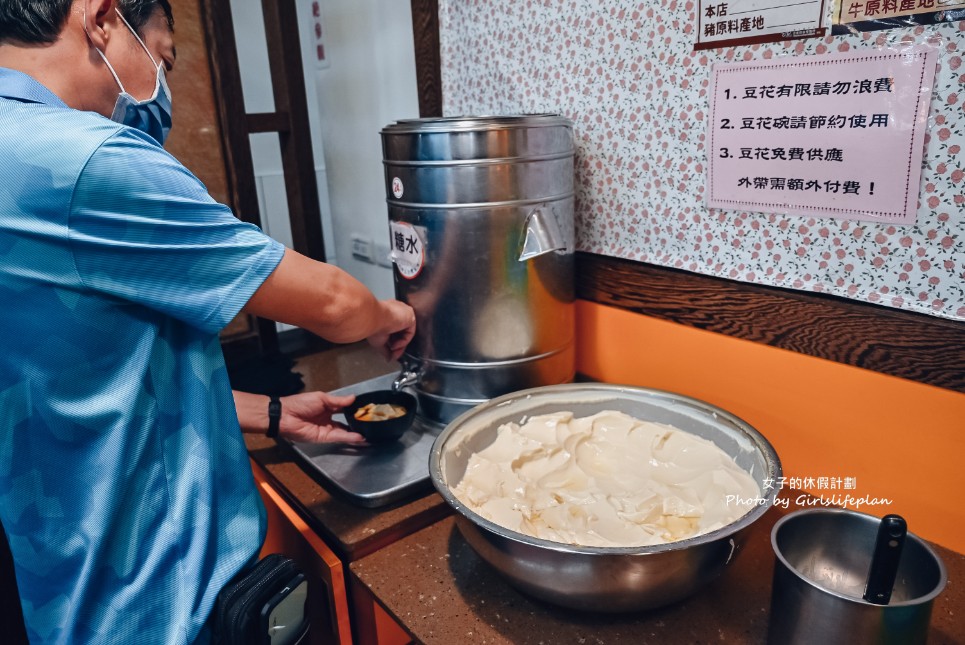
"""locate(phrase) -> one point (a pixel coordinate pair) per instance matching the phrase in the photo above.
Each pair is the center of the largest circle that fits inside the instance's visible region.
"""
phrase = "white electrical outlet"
(362, 248)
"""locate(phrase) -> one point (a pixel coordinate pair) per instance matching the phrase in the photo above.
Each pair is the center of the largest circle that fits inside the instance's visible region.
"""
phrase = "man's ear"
(101, 19)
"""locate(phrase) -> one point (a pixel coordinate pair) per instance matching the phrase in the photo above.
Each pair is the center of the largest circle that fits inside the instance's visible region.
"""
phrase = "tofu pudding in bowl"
(604, 497)
(604, 480)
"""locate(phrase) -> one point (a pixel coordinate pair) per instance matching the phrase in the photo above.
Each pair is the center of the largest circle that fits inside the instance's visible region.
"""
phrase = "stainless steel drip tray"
(374, 475)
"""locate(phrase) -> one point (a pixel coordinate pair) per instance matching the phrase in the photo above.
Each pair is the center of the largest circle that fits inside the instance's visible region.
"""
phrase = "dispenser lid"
(472, 123)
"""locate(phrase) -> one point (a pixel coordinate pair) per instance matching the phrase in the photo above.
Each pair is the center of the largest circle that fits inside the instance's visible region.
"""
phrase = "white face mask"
(151, 116)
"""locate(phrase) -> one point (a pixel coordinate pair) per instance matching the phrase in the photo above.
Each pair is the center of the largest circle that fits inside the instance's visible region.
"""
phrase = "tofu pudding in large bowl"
(604, 497)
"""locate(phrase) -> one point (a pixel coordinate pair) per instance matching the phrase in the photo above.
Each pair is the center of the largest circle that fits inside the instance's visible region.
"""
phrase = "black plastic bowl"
(382, 431)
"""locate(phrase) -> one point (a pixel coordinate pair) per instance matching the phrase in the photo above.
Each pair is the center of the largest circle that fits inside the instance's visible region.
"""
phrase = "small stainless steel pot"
(822, 561)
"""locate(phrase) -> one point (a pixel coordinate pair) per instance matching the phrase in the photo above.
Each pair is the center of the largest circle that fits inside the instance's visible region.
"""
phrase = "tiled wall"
(625, 72)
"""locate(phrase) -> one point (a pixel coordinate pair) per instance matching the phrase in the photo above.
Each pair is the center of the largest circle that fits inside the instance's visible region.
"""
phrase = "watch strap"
(274, 416)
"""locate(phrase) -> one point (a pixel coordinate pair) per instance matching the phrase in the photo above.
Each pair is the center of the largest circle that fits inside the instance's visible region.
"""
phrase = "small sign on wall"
(849, 11)
(840, 135)
(724, 23)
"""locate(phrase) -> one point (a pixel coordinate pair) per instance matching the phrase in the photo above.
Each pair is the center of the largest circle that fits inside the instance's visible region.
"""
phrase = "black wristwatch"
(274, 416)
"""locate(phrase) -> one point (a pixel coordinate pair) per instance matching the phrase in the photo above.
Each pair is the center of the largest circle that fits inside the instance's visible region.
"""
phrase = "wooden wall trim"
(908, 345)
(428, 66)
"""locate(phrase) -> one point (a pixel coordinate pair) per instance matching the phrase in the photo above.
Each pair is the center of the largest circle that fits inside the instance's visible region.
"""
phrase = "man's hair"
(38, 22)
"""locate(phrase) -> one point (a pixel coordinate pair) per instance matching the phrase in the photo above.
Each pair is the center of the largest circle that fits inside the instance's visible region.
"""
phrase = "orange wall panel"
(900, 440)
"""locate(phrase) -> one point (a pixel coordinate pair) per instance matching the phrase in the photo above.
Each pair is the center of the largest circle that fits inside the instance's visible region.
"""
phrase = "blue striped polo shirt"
(125, 487)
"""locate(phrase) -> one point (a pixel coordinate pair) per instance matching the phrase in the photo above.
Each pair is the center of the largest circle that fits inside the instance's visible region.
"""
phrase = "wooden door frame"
(289, 121)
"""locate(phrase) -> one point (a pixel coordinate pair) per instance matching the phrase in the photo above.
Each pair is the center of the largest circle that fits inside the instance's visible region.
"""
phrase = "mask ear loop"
(134, 33)
(103, 57)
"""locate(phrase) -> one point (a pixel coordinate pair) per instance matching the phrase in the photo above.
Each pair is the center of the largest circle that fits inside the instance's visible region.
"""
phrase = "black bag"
(264, 605)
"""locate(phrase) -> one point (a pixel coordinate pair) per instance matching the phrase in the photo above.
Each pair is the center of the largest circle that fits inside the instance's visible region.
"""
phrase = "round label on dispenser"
(408, 249)
(397, 187)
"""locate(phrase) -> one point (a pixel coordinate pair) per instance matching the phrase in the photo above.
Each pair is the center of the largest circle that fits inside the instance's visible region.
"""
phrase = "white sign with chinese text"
(408, 249)
(840, 135)
(848, 11)
(730, 22)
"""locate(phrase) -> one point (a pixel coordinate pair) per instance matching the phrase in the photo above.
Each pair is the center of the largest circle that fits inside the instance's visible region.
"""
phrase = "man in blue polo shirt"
(125, 490)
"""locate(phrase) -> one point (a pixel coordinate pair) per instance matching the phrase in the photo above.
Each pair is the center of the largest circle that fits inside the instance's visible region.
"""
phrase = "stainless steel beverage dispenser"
(481, 228)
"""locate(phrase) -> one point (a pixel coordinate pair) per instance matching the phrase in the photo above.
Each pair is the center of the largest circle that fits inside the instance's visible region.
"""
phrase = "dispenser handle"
(543, 235)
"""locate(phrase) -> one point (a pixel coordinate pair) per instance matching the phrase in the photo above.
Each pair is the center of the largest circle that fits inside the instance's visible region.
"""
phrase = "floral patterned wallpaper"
(625, 72)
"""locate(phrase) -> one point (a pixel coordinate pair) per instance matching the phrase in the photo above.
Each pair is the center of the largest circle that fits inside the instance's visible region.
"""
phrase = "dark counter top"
(410, 559)
(350, 530)
(435, 585)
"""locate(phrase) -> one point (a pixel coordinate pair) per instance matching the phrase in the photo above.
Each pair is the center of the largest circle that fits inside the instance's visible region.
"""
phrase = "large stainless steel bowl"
(604, 578)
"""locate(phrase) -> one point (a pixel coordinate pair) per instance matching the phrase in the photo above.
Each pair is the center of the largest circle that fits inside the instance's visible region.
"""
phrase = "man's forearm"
(318, 297)
(252, 411)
